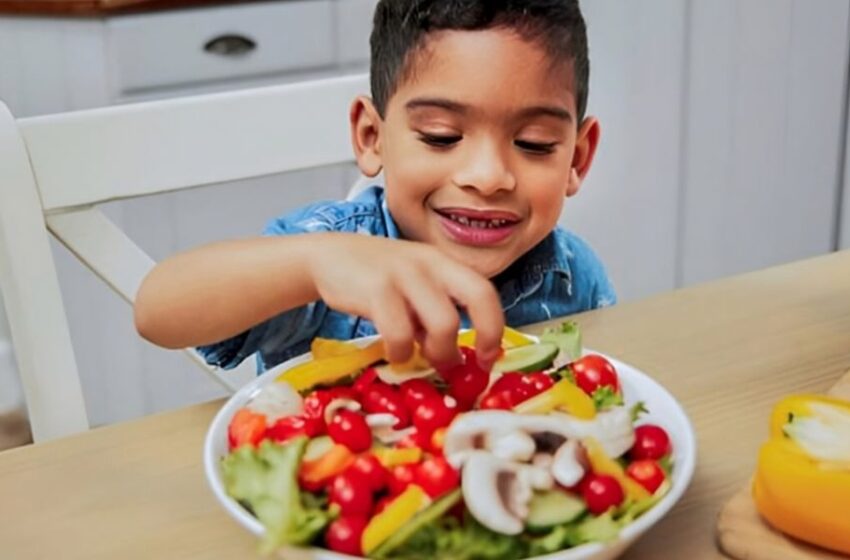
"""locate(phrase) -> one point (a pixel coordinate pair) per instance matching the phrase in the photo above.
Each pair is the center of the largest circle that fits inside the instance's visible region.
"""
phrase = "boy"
(477, 122)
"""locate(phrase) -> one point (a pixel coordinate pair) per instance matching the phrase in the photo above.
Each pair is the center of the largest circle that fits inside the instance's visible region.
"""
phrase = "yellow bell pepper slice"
(562, 395)
(392, 457)
(328, 348)
(510, 338)
(333, 368)
(802, 481)
(601, 463)
(397, 513)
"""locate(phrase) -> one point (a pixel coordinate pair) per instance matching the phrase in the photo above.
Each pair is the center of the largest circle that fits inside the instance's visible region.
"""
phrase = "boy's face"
(479, 146)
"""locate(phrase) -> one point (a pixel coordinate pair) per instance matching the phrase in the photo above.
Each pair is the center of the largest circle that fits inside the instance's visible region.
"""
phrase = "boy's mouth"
(477, 227)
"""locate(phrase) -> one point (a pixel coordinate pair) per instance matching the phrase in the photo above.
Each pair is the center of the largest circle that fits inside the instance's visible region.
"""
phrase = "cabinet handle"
(230, 45)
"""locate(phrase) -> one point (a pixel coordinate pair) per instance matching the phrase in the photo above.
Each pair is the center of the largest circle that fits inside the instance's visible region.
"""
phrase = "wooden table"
(727, 350)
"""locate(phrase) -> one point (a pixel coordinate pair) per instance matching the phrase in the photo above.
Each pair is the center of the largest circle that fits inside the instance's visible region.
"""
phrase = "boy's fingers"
(438, 319)
(485, 311)
(392, 320)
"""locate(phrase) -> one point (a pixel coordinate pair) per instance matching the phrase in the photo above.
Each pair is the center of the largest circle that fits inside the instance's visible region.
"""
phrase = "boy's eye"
(536, 147)
(439, 140)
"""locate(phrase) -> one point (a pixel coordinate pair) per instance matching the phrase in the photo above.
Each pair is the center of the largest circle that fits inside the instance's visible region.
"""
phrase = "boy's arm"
(409, 290)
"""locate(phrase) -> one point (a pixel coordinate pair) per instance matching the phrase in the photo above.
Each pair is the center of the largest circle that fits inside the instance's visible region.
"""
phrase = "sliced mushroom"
(537, 476)
(338, 404)
(566, 467)
(277, 400)
(512, 446)
(382, 428)
(495, 492)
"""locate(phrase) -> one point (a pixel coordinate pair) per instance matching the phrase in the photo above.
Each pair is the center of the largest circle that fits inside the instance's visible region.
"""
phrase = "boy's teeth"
(477, 223)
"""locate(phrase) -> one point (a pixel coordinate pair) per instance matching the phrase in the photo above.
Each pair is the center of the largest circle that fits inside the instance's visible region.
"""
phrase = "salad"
(405, 461)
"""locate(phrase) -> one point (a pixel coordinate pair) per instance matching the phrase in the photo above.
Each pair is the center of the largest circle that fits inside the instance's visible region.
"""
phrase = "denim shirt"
(559, 276)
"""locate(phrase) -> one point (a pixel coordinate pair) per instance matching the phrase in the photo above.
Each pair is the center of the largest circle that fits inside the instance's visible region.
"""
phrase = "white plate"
(664, 410)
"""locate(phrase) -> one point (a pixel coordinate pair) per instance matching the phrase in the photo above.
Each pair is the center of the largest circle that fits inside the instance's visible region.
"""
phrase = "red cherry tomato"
(380, 397)
(349, 428)
(466, 380)
(594, 371)
(538, 382)
(602, 492)
(433, 414)
(344, 535)
(316, 402)
(401, 476)
(496, 401)
(436, 476)
(413, 439)
(515, 385)
(368, 466)
(364, 380)
(290, 427)
(415, 391)
(246, 428)
(351, 492)
(651, 442)
(647, 473)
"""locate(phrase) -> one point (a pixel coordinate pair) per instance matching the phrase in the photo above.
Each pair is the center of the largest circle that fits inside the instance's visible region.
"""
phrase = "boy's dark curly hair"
(401, 27)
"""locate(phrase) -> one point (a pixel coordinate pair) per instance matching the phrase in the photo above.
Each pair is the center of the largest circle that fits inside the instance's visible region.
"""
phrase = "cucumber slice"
(424, 517)
(533, 357)
(552, 508)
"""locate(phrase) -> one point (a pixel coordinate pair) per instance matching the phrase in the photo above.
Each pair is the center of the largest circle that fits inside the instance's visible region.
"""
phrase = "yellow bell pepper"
(397, 513)
(601, 463)
(510, 338)
(802, 481)
(392, 456)
(562, 395)
(328, 348)
(333, 368)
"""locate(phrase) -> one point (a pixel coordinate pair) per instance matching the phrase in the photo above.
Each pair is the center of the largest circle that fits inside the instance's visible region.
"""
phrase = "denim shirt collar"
(522, 278)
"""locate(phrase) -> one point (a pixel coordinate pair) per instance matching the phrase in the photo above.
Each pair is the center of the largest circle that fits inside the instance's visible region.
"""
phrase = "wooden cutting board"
(744, 535)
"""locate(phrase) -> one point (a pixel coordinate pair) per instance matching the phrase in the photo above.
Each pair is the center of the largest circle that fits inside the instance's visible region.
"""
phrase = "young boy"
(477, 120)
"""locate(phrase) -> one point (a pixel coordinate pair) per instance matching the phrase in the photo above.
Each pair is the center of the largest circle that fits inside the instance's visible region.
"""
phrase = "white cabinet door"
(764, 133)
(627, 207)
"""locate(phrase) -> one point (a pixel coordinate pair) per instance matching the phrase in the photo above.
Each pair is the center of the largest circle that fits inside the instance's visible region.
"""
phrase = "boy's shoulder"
(366, 213)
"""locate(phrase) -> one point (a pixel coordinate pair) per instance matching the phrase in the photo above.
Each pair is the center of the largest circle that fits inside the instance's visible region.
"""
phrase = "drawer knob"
(230, 45)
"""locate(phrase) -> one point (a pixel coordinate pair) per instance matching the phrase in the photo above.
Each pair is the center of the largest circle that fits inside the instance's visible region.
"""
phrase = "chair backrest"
(54, 170)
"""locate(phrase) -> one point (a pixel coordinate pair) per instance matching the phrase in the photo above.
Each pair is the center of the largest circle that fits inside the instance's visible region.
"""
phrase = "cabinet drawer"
(184, 47)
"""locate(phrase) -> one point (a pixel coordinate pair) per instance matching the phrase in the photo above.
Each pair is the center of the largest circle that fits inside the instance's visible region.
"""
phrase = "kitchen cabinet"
(721, 146)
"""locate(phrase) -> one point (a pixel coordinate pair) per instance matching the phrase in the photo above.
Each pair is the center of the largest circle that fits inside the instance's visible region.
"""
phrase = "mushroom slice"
(495, 493)
(277, 400)
(382, 424)
(338, 404)
(566, 468)
(512, 446)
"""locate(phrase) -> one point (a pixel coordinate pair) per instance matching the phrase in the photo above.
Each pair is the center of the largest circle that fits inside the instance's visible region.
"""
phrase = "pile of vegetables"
(406, 461)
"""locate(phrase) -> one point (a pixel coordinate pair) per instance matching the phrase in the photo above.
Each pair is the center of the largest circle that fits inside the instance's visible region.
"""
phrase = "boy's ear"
(366, 135)
(587, 140)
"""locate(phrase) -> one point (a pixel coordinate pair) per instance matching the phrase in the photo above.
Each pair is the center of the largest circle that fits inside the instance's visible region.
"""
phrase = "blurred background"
(723, 151)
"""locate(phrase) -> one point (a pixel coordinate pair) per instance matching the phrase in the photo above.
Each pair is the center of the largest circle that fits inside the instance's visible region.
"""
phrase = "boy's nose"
(486, 171)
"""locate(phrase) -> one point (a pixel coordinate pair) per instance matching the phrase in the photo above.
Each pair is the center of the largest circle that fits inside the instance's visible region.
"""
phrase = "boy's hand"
(411, 292)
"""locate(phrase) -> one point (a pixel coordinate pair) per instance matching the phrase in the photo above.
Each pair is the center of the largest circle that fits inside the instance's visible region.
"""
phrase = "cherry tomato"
(496, 401)
(246, 427)
(436, 476)
(290, 427)
(466, 380)
(316, 402)
(651, 442)
(594, 371)
(647, 473)
(515, 385)
(350, 429)
(364, 380)
(401, 476)
(538, 382)
(344, 534)
(433, 414)
(413, 439)
(380, 397)
(415, 391)
(352, 493)
(368, 466)
(602, 492)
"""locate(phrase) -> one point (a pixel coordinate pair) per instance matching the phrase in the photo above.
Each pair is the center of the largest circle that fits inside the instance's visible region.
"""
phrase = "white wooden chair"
(54, 170)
